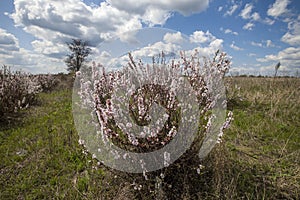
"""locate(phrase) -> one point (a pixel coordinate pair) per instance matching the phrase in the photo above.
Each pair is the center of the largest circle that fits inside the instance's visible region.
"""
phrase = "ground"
(258, 158)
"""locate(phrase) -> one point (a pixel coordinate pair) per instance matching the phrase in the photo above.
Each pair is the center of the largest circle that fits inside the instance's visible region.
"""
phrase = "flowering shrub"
(45, 81)
(153, 118)
(18, 89)
(139, 87)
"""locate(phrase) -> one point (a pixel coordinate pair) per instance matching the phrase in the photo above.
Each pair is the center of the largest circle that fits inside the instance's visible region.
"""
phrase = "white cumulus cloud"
(246, 12)
(231, 10)
(187, 7)
(248, 26)
(201, 37)
(229, 31)
(292, 37)
(264, 44)
(269, 43)
(173, 38)
(255, 16)
(233, 46)
(8, 42)
(268, 21)
(288, 57)
(278, 8)
(257, 44)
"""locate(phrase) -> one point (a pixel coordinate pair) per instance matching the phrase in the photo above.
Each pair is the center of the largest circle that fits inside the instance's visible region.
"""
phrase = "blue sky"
(256, 34)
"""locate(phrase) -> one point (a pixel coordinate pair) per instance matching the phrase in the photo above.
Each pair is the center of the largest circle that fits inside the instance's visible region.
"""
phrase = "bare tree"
(78, 56)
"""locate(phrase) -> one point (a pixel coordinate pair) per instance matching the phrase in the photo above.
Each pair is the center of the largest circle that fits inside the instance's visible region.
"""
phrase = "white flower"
(81, 142)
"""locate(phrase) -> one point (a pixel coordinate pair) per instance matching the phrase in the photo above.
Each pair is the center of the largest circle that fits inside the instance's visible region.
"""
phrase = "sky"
(255, 34)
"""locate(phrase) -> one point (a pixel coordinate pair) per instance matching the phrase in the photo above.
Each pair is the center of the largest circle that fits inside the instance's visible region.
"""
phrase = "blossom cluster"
(99, 90)
(18, 89)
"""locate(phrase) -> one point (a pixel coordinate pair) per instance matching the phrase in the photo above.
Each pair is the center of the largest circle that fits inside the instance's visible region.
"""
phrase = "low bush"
(18, 90)
(104, 93)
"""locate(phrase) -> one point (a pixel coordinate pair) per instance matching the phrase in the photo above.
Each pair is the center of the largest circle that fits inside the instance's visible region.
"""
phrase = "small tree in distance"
(78, 56)
(276, 68)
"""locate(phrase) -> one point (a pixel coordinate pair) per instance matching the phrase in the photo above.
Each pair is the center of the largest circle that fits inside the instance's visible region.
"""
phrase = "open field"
(259, 158)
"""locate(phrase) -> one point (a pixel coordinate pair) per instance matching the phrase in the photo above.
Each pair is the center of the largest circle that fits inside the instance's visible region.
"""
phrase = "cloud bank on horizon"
(255, 34)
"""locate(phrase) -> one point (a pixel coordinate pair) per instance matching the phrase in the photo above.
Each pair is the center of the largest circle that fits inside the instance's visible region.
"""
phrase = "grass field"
(259, 158)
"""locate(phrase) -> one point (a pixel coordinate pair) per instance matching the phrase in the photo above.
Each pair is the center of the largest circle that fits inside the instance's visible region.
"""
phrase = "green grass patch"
(41, 158)
(259, 159)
